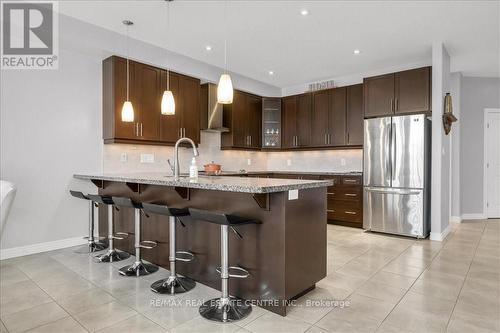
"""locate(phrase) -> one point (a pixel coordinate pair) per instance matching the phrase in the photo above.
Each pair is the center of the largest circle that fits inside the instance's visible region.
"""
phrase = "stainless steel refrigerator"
(396, 175)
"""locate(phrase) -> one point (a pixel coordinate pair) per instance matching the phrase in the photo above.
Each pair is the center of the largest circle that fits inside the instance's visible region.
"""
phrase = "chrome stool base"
(138, 269)
(173, 285)
(92, 247)
(112, 256)
(234, 309)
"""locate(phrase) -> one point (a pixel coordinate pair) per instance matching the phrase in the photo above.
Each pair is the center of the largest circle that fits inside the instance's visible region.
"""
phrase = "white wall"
(50, 127)
(440, 182)
(476, 95)
(455, 91)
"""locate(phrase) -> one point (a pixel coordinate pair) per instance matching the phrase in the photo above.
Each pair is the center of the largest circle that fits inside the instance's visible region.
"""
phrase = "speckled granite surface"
(217, 183)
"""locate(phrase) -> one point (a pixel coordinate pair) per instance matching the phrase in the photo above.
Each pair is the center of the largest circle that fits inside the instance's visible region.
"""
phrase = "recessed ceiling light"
(304, 12)
(271, 72)
(208, 48)
(357, 51)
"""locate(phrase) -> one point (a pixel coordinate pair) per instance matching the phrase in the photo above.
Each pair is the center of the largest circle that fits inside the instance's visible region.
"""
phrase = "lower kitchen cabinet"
(345, 200)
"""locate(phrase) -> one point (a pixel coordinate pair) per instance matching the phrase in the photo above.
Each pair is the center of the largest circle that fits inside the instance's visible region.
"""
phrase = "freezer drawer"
(394, 211)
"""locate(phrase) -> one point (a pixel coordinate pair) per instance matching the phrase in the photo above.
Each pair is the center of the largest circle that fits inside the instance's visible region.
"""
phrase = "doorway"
(492, 163)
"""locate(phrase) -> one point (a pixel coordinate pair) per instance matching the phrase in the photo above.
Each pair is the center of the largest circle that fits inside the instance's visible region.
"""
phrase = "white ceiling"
(272, 35)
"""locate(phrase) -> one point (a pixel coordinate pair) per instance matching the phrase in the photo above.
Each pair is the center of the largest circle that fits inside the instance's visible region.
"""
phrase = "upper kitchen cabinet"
(186, 121)
(398, 93)
(355, 115)
(296, 121)
(328, 127)
(244, 119)
(146, 86)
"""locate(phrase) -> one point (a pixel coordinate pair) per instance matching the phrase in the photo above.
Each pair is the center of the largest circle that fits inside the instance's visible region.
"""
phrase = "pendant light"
(127, 108)
(167, 101)
(225, 87)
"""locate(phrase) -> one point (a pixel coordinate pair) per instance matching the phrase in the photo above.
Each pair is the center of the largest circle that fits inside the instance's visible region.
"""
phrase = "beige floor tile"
(421, 313)
(63, 290)
(385, 327)
(172, 316)
(85, 301)
(393, 280)
(275, 323)
(3, 329)
(357, 269)
(461, 322)
(435, 284)
(256, 313)
(10, 274)
(21, 296)
(403, 269)
(33, 317)
(361, 306)
(104, 315)
(361, 324)
(202, 325)
(65, 325)
(481, 303)
(381, 291)
(137, 323)
(316, 329)
(341, 281)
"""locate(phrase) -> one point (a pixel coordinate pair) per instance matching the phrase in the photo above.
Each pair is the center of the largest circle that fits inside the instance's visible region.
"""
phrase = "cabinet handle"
(183, 132)
(326, 139)
(349, 212)
(391, 105)
(396, 105)
(350, 181)
(329, 139)
(348, 138)
(141, 129)
(351, 195)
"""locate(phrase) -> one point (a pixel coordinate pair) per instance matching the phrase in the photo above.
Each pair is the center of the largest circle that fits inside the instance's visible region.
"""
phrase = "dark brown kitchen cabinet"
(296, 119)
(146, 86)
(413, 91)
(244, 119)
(329, 118)
(398, 93)
(355, 115)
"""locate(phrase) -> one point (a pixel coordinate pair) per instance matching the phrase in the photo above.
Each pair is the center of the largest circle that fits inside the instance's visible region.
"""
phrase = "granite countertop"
(327, 173)
(217, 183)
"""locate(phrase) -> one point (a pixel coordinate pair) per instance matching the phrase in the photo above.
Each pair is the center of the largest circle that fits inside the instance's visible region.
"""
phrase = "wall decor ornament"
(448, 117)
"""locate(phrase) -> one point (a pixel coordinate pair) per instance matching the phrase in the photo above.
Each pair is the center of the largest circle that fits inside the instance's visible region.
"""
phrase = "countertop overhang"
(216, 183)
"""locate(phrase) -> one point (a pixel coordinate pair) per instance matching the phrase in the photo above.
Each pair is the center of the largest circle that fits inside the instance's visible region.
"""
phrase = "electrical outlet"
(147, 158)
(289, 162)
(249, 161)
(123, 157)
(342, 161)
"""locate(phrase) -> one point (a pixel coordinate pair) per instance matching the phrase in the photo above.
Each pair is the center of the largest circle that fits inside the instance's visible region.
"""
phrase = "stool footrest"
(236, 268)
(120, 235)
(188, 256)
(148, 244)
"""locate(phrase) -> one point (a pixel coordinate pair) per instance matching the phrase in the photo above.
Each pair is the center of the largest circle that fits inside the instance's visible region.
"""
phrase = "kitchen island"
(285, 255)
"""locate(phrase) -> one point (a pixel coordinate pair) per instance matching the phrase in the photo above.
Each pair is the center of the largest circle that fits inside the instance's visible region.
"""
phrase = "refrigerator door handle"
(388, 157)
(393, 191)
(393, 151)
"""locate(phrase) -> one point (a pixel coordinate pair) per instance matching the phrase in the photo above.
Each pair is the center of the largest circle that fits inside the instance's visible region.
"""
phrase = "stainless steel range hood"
(212, 112)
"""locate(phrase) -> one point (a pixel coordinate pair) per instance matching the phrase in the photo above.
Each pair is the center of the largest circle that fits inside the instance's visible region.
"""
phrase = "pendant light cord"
(127, 64)
(225, 37)
(168, 32)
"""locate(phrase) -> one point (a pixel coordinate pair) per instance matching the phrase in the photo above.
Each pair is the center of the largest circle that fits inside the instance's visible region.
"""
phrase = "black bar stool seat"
(138, 268)
(173, 284)
(113, 255)
(226, 308)
(94, 243)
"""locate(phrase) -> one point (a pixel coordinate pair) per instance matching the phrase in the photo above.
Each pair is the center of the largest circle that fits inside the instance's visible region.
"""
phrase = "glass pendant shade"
(225, 90)
(127, 112)
(167, 103)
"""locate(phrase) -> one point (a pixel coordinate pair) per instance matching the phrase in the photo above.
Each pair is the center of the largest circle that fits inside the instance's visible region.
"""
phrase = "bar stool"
(226, 308)
(138, 268)
(93, 245)
(113, 254)
(173, 284)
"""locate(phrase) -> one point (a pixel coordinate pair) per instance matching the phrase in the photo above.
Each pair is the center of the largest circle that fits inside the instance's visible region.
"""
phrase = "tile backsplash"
(127, 158)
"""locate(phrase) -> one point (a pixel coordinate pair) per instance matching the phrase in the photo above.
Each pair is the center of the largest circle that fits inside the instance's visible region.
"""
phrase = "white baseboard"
(20, 251)
(456, 219)
(440, 236)
(473, 216)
